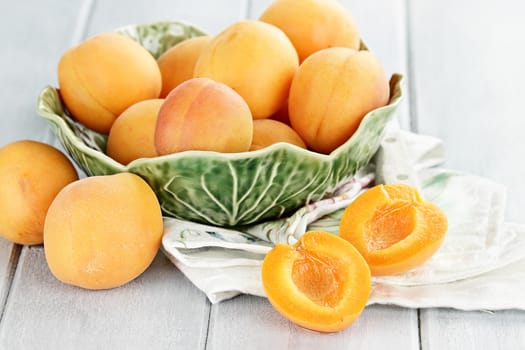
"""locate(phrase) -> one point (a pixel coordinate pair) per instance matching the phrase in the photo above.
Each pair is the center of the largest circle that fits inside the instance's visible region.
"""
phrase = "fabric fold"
(481, 264)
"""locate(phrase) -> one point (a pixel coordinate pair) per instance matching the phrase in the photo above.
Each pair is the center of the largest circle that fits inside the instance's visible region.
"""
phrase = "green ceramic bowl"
(219, 188)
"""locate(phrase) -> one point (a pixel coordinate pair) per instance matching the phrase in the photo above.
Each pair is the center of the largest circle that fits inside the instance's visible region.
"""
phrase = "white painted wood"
(210, 16)
(250, 322)
(34, 35)
(8, 258)
(468, 77)
(158, 310)
(468, 73)
(450, 329)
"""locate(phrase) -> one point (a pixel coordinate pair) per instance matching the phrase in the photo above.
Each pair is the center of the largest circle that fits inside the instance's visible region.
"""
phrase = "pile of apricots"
(294, 75)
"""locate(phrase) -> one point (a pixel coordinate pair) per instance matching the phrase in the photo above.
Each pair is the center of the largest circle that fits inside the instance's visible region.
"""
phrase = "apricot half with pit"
(393, 228)
(320, 283)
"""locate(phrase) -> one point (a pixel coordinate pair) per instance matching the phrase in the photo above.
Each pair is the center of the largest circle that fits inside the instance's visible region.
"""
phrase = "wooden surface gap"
(84, 17)
(410, 73)
(11, 271)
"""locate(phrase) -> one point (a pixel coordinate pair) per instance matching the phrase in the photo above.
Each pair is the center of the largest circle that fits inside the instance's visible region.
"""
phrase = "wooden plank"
(9, 253)
(467, 70)
(210, 16)
(252, 323)
(158, 310)
(34, 37)
(450, 329)
(468, 79)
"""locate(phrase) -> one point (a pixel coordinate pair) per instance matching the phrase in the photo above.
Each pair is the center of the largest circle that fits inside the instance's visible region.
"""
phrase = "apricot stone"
(255, 59)
(102, 231)
(131, 135)
(31, 175)
(177, 64)
(103, 76)
(313, 25)
(266, 132)
(331, 92)
(202, 114)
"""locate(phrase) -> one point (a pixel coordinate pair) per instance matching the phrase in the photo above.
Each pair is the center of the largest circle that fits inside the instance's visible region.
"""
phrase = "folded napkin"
(481, 264)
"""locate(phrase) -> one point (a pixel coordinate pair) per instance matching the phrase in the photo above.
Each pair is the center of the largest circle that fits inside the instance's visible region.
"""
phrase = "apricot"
(331, 93)
(177, 64)
(31, 175)
(201, 114)
(102, 231)
(313, 25)
(320, 283)
(255, 59)
(131, 135)
(266, 132)
(393, 228)
(103, 76)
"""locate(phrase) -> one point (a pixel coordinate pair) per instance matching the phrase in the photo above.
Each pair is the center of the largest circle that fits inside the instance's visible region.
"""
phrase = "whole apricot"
(102, 231)
(331, 93)
(131, 135)
(177, 64)
(255, 59)
(313, 25)
(202, 114)
(266, 132)
(31, 175)
(103, 76)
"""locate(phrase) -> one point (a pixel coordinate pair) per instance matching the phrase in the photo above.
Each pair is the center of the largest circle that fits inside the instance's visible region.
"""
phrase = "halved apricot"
(393, 228)
(320, 283)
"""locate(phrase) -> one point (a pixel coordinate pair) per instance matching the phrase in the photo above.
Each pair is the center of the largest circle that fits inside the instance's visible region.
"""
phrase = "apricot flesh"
(201, 114)
(255, 59)
(313, 25)
(320, 283)
(132, 135)
(331, 93)
(177, 64)
(393, 228)
(102, 231)
(31, 175)
(103, 76)
(266, 132)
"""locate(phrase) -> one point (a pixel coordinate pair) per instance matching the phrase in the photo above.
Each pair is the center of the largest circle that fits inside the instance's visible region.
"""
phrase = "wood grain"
(159, 310)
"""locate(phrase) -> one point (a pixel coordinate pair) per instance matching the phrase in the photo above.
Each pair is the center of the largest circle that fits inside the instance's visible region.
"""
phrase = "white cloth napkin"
(481, 264)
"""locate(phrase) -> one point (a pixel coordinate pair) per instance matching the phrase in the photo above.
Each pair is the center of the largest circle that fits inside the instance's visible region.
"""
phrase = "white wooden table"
(465, 68)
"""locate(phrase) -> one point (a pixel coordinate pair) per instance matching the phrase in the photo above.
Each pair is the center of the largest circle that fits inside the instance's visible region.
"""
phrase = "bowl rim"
(396, 95)
(64, 120)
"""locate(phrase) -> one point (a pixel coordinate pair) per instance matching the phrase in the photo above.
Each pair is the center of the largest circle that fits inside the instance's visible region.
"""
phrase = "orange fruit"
(320, 283)
(393, 228)
(31, 175)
